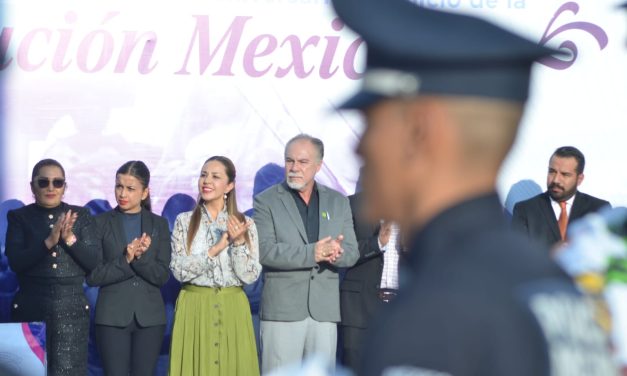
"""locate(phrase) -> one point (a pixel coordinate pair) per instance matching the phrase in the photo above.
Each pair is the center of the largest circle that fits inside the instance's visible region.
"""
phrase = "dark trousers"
(352, 342)
(133, 348)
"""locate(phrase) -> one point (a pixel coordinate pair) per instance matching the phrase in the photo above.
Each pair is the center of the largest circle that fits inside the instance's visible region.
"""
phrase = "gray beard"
(295, 186)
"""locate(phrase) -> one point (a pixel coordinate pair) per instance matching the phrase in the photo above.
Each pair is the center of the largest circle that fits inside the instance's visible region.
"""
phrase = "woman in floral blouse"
(214, 252)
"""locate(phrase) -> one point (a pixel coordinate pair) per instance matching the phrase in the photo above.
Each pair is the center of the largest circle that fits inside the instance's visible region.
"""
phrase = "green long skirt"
(213, 333)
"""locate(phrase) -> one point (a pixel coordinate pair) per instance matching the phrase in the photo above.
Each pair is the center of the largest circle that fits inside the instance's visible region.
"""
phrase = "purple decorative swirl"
(597, 32)
(35, 336)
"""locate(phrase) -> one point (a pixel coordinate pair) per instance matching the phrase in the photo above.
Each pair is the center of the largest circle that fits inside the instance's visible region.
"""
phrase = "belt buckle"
(386, 296)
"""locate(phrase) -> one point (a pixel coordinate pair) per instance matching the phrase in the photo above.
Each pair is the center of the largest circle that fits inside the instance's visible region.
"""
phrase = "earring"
(225, 198)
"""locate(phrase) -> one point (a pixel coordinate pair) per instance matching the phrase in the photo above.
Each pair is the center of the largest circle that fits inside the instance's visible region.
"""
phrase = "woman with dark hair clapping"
(50, 246)
(130, 313)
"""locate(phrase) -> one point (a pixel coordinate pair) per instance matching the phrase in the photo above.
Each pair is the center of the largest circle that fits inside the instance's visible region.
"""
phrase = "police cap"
(413, 50)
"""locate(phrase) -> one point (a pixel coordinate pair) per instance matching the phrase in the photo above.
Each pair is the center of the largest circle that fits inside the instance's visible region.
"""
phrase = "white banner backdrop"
(94, 84)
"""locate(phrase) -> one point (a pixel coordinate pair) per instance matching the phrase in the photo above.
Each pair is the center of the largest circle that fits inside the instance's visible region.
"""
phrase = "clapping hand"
(236, 230)
(384, 232)
(329, 249)
(219, 246)
(68, 223)
(136, 248)
(61, 229)
(144, 244)
(234, 234)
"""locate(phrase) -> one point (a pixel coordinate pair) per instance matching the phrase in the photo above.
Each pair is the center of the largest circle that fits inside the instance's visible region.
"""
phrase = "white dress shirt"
(557, 210)
(389, 275)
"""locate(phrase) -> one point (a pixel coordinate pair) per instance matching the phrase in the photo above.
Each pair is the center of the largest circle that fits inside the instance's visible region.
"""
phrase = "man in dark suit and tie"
(546, 216)
(371, 283)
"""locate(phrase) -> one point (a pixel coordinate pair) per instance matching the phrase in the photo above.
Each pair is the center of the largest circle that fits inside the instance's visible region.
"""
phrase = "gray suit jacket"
(295, 286)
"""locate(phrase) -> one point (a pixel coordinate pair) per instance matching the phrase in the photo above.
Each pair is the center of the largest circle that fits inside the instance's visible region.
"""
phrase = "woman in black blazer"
(51, 247)
(130, 313)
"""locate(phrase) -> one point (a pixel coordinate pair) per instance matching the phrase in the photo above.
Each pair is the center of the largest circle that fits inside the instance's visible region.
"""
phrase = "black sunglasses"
(45, 183)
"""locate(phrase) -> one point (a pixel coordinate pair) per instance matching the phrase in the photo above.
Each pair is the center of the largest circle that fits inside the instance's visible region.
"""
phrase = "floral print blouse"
(234, 266)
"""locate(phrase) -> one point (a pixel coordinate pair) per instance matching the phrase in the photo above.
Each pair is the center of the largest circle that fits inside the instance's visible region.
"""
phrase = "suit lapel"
(118, 230)
(290, 206)
(578, 209)
(147, 225)
(549, 214)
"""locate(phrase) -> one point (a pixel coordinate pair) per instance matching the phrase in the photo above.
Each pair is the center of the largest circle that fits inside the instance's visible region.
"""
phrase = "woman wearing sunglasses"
(130, 313)
(50, 246)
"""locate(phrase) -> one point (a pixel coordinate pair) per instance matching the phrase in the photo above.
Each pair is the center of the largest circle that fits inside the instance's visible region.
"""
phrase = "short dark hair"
(46, 163)
(140, 171)
(316, 142)
(571, 152)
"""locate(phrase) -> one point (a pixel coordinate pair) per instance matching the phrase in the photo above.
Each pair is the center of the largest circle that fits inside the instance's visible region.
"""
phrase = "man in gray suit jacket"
(305, 234)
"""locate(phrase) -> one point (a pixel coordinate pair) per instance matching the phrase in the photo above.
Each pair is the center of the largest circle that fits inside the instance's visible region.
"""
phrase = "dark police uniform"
(51, 282)
(481, 300)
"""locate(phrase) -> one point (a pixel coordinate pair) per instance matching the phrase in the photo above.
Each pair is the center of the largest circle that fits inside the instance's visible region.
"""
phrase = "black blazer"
(359, 290)
(535, 217)
(128, 290)
(38, 268)
(28, 255)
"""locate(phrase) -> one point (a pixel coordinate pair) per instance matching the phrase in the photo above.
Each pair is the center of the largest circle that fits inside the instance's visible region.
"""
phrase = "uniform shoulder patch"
(575, 343)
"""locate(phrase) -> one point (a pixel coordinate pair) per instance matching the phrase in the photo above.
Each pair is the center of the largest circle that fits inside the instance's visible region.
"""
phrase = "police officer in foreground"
(443, 95)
